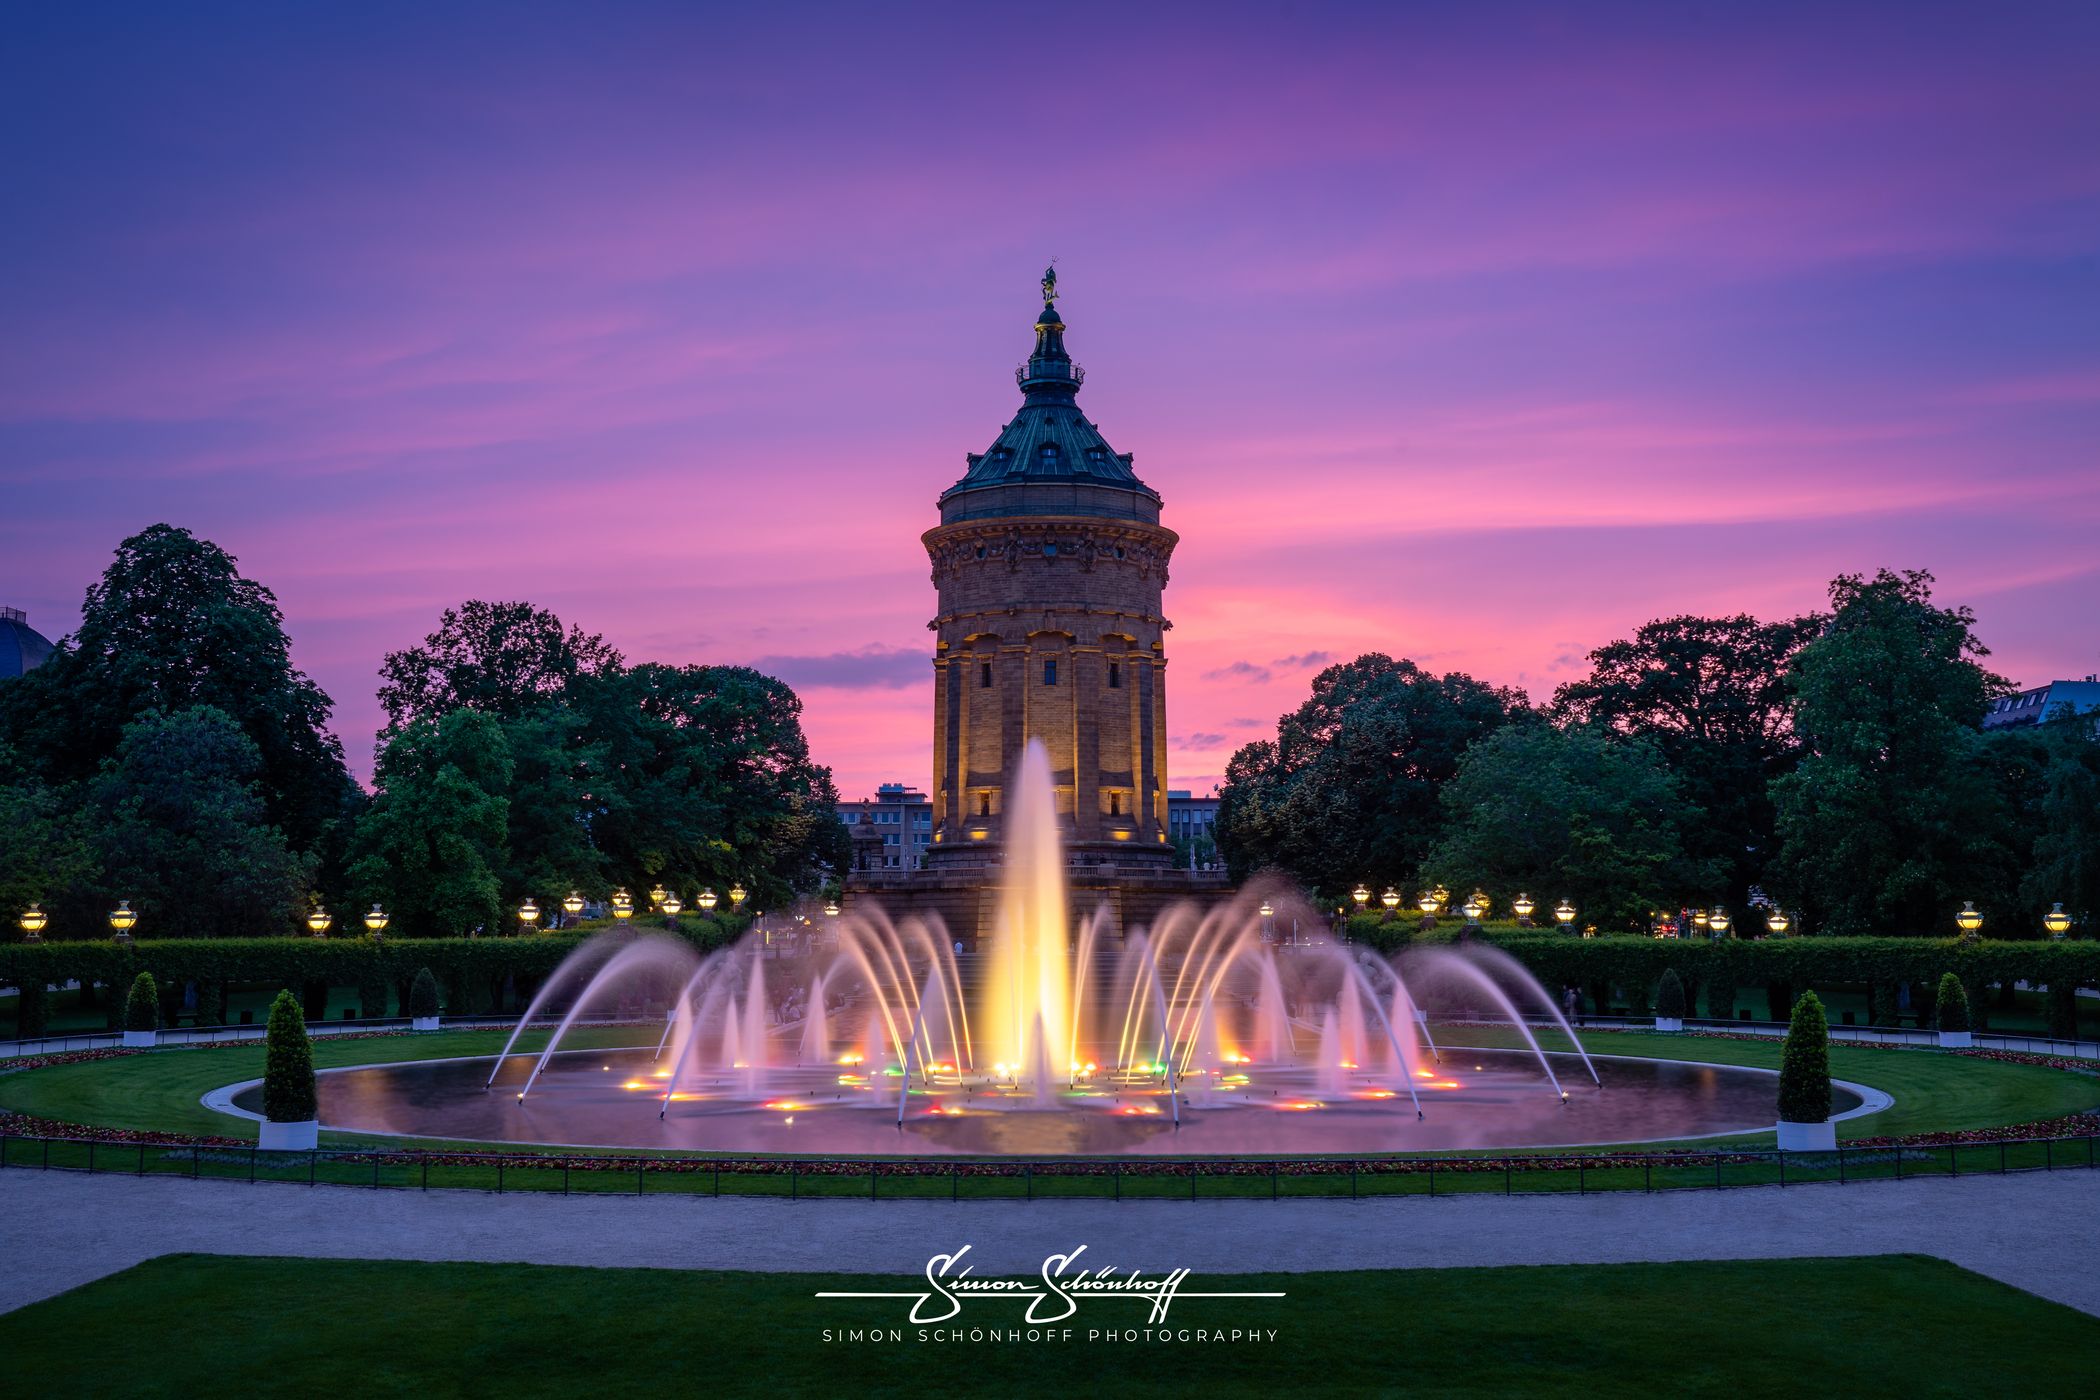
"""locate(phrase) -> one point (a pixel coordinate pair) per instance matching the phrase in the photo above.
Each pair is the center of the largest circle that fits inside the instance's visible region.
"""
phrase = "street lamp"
(1390, 899)
(1361, 895)
(1481, 902)
(1442, 897)
(1777, 921)
(121, 919)
(736, 898)
(831, 909)
(528, 914)
(2056, 921)
(573, 905)
(1717, 922)
(1970, 918)
(375, 922)
(623, 912)
(1472, 910)
(1564, 914)
(33, 920)
(1268, 919)
(671, 905)
(657, 896)
(708, 901)
(319, 922)
(1523, 907)
(1700, 918)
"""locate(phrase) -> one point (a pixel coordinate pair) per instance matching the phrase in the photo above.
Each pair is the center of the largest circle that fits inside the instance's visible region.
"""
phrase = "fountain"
(1197, 1035)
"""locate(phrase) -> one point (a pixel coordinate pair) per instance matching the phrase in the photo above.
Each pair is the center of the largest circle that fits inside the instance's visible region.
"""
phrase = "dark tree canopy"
(1348, 790)
(431, 845)
(180, 828)
(1898, 804)
(1713, 694)
(503, 659)
(171, 625)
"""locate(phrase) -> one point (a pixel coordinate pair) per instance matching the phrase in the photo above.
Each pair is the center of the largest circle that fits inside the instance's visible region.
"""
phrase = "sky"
(1473, 334)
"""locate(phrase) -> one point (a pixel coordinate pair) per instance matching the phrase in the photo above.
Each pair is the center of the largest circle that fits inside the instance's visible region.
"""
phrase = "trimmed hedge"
(142, 1007)
(288, 1064)
(1804, 1064)
(1950, 1011)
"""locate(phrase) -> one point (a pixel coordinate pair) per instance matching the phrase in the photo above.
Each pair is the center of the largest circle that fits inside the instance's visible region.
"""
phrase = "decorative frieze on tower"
(1049, 562)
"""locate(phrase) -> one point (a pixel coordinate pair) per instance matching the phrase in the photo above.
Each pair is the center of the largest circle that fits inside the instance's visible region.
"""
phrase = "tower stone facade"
(1049, 564)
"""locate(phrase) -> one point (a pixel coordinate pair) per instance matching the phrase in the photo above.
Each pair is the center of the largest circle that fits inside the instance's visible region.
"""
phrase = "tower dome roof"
(1050, 459)
(22, 647)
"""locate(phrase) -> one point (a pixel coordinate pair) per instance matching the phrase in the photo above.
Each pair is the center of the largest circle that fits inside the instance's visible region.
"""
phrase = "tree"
(1568, 814)
(502, 659)
(170, 626)
(1712, 694)
(288, 1065)
(1804, 1064)
(44, 854)
(435, 837)
(2065, 865)
(1896, 804)
(1348, 789)
(707, 780)
(556, 767)
(181, 829)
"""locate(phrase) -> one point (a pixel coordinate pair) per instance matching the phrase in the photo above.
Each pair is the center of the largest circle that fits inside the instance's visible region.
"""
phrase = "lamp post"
(671, 905)
(573, 905)
(1717, 922)
(1701, 919)
(319, 922)
(121, 920)
(1268, 921)
(1479, 900)
(2056, 921)
(657, 897)
(1361, 895)
(622, 905)
(707, 901)
(1426, 903)
(1564, 915)
(1442, 897)
(1390, 899)
(831, 909)
(33, 920)
(375, 923)
(736, 898)
(1778, 922)
(1970, 918)
(1472, 909)
(1523, 907)
(528, 915)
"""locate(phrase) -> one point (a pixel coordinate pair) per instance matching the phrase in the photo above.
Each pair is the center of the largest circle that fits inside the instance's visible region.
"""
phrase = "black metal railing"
(1002, 1178)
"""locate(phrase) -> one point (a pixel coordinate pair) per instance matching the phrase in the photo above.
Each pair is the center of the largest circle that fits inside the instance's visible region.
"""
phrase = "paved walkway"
(2039, 1231)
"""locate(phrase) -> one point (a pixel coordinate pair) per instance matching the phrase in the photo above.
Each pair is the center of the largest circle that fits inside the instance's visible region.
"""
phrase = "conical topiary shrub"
(1804, 1080)
(288, 1064)
(142, 1010)
(423, 1000)
(1669, 1002)
(1950, 1012)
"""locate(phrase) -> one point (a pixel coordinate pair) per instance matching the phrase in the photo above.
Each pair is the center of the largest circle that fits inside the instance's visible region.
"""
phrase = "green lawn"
(185, 1324)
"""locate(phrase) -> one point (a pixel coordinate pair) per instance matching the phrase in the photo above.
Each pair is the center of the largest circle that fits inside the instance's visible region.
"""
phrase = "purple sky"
(1479, 335)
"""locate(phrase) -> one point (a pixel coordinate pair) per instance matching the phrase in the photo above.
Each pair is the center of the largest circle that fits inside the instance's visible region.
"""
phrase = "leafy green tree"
(289, 1094)
(1896, 805)
(44, 853)
(434, 839)
(707, 780)
(181, 829)
(1348, 790)
(1804, 1064)
(170, 626)
(1712, 694)
(502, 659)
(556, 768)
(2065, 865)
(1570, 814)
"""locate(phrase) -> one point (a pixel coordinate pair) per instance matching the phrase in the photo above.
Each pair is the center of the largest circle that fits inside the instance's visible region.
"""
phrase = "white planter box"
(141, 1040)
(1669, 1023)
(1808, 1137)
(1957, 1040)
(423, 1023)
(289, 1137)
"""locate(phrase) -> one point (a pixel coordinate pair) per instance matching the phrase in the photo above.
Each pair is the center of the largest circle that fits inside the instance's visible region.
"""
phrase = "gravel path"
(2038, 1231)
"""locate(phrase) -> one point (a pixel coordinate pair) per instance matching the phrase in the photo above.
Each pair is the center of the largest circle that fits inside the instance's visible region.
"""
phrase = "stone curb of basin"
(1872, 1100)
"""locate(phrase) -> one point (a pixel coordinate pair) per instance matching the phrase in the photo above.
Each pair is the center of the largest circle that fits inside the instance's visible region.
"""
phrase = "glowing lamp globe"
(1361, 895)
(657, 896)
(375, 922)
(737, 896)
(1427, 903)
(1390, 899)
(831, 909)
(1443, 896)
(1700, 918)
(123, 918)
(1970, 918)
(1523, 906)
(1777, 921)
(573, 905)
(1717, 922)
(528, 913)
(319, 922)
(1564, 912)
(33, 920)
(2056, 921)
(1472, 910)
(623, 912)
(620, 897)
(708, 901)
(672, 904)
(1268, 911)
